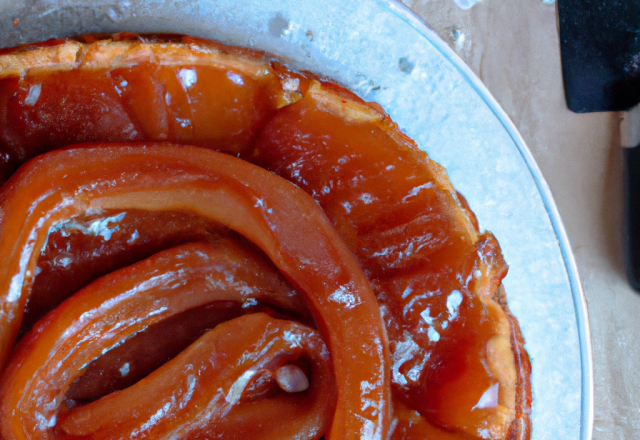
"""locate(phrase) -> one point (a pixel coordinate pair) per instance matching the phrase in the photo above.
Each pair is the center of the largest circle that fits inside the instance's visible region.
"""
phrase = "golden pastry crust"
(521, 425)
(111, 54)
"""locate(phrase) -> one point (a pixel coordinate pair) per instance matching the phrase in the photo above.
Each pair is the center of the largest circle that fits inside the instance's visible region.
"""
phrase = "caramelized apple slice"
(189, 90)
(198, 395)
(90, 246)
(276, 215)
(55, 357)
(433, 274)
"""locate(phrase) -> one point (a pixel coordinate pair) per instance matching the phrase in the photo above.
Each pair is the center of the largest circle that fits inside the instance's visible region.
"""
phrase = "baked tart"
(199, 241)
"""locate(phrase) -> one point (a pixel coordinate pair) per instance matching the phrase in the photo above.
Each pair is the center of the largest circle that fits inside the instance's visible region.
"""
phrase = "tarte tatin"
(200, 242)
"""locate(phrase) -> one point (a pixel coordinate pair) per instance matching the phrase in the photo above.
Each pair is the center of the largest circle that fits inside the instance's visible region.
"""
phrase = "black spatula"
(600, 43)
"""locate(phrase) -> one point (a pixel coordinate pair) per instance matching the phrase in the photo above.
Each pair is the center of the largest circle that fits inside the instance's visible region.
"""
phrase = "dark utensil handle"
(632, 214)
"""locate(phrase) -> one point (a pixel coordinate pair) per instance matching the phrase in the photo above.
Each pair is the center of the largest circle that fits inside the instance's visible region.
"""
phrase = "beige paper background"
(513, 45)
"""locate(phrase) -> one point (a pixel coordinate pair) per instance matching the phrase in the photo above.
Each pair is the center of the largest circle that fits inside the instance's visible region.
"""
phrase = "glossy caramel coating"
(457, 354)
(434, 276)
(128, 90)
(277, 216)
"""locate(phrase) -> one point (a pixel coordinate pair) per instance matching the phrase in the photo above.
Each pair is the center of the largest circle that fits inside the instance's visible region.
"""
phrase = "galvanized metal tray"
(384, 53)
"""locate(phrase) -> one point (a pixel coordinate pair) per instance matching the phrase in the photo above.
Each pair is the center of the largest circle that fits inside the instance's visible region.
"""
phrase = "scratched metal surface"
(381, 51)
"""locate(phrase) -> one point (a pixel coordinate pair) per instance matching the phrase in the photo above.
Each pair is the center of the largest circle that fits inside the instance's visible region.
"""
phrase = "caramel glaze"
(459, 369)
(87, 248)
(434, 287)
(138, 100)
(80, 251)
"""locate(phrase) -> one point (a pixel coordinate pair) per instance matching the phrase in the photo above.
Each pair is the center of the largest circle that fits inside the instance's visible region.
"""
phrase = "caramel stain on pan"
(406, 65)
(277, 25)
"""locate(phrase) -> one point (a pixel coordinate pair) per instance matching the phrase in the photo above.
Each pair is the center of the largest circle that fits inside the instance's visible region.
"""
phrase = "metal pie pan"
(384, 53)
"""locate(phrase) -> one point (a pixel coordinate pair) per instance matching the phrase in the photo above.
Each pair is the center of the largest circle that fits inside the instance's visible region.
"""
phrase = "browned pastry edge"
(521, 426)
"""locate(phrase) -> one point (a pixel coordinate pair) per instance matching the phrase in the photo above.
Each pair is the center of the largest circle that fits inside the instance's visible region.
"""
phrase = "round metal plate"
(384, 53)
